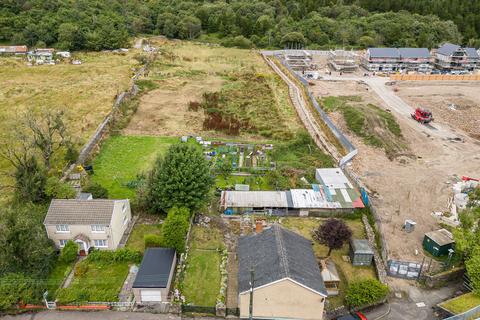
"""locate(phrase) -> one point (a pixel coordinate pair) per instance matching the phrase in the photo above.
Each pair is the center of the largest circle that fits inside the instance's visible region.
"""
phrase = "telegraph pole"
(252, 277)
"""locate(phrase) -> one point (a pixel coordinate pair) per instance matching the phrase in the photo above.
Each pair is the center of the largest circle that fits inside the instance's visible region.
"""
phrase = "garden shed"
(154, 277)
(361, 254)
(438, 242)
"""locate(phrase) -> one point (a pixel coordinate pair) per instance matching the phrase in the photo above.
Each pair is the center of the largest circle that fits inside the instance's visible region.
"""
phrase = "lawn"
(122, 158)
(256, 182)
(201, 283)
(462, 303)
(136, 240)
(59, 272)
(346, 270)
(95, 281)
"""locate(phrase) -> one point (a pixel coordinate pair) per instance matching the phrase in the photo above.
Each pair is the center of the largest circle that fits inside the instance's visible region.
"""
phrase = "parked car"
(353, 316)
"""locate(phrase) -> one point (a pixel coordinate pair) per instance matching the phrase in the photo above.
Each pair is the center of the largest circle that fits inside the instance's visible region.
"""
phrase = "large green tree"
(180, 179)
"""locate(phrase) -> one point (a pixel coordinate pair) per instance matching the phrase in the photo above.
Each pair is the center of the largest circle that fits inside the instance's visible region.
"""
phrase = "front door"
(82, 250)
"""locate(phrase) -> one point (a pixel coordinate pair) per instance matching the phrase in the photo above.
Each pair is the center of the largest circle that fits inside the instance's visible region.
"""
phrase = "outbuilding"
(438, 243)
(153, 280)
(361, 254)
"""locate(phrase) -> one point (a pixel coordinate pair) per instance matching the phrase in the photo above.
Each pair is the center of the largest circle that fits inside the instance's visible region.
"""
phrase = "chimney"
(258, 226)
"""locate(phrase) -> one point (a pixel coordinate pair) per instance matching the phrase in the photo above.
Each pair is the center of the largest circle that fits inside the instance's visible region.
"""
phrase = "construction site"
(416, 182)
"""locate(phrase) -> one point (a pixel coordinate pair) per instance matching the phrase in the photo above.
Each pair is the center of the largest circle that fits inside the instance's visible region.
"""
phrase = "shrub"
(81, 269)
(69, 252)
(15, 287)
(174, 230)
(120, 255)
(97, 191)
(152, 240)
(365, 292)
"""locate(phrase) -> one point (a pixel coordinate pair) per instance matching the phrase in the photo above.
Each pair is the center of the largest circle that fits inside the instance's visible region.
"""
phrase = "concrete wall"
(283, 300)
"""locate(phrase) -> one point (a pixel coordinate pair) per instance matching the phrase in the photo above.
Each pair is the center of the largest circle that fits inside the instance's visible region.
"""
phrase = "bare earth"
(409, 187)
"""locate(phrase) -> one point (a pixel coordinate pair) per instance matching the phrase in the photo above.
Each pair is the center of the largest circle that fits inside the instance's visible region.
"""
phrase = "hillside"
(97, 25)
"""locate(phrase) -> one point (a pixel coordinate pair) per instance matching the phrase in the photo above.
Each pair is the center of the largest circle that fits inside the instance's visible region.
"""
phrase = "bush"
(152, 240)
(69, 252)
(15, 288)
(97, 191)
(56, 189)
(365, 292)
(120, 255)
(81, 269)
(174, 230)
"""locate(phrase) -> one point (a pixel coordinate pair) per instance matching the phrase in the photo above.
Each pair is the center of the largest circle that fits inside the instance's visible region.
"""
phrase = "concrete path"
(70, 276)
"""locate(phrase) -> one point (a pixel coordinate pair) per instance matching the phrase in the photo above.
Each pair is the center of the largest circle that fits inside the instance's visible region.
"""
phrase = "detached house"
(287, 283)
(97, 223)
(454, 57)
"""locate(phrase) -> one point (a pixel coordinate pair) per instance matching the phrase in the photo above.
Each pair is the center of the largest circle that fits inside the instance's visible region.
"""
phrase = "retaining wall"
(438, 280)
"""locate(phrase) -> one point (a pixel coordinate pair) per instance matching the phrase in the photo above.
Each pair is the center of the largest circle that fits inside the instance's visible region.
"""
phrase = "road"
(99, 315)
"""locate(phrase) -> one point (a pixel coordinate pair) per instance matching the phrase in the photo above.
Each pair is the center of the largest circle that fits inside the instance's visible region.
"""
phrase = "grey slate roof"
(80, 212)
(361, 246)
(414, 52)
(384, 53)
(155, 269)
(447, 49)
(275, 254)
(472, 53)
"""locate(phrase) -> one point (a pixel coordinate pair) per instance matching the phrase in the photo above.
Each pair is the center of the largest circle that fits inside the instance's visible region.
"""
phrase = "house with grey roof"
(95, 223)
(287, 283)
(154, 277)
(454, 57)
(397, 59)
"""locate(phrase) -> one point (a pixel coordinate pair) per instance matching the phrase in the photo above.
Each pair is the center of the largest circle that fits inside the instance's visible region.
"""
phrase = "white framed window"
(98, 228)
(62, 243)
(125, 219)
(100, 243)
(124, 208)
(62, 228)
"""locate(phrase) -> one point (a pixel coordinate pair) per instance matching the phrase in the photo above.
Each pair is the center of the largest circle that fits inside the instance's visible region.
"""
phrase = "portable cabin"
(438, 242)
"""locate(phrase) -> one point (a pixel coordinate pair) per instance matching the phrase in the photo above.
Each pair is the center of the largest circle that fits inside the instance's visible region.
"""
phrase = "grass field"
(136, 239)
(462, 303)
(346, 270)
(122, 158)
(374, 125)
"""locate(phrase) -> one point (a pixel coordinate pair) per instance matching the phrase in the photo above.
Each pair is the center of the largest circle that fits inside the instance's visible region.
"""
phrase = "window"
(125, 219)
(98, 228)
(62, 228)
(124, 208)
(62, 243)
(100, 243)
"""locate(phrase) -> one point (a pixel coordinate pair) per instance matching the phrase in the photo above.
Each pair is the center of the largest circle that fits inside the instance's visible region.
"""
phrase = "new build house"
(397, 59)
(454, 57)
(332, 192)
(287, 283)
(96, 223)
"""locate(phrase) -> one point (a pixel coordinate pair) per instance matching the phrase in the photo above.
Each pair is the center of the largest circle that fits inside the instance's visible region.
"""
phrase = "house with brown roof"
(95, 223)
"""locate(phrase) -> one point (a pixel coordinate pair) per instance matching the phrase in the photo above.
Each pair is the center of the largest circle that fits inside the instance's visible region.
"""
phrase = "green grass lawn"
(346, 270)
(462, 303)
(59, 272)
(122, 158)
(136, 240)
(256, 182)
(201, 284)
(100, 282)
(206, 238)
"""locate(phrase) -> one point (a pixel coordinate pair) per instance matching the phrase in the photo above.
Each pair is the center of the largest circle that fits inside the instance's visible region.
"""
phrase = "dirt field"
(439, 95)
(184, 71)
(413, 186)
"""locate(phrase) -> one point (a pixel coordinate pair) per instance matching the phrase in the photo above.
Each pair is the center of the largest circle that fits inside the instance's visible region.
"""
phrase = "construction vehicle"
(422, 115)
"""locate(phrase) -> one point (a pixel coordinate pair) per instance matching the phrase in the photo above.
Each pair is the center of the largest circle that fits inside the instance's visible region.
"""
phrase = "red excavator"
(422, 115)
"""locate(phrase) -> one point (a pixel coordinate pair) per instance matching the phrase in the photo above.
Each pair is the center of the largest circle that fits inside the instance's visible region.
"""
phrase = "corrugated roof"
(80, 212)
(414, 52)
(309, 198)
(441, 237)
(250, 199)
(384, 53)
(447, 49)
(276, 254)
(155, 269)
(472, 52)
(361, 246)
(333, 178)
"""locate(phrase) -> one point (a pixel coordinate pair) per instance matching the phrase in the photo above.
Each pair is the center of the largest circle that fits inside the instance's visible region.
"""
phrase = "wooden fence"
(435, 77)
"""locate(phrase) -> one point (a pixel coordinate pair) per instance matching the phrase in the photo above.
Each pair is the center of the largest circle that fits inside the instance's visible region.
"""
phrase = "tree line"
(97, 25)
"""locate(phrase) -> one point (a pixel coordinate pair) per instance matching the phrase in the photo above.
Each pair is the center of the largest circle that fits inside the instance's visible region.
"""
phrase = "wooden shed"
(438, 242)
(360, 252)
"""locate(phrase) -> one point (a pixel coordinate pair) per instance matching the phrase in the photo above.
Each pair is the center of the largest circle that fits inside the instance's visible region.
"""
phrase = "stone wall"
(439, 280)
(379, 265)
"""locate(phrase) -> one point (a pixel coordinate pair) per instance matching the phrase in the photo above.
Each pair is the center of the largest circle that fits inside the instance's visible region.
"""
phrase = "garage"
(154, 277)
(151, 295)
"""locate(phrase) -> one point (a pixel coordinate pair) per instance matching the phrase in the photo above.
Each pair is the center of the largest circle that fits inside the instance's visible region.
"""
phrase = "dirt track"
(408, 187)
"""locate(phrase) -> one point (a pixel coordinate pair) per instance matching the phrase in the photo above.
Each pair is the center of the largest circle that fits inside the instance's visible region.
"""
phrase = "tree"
(190, 27)
(293, 40)
(15, 288)
(24, 246)
(56, 189)
(225, 168)
(174, 231)
(70, 37)
(97, 190)
(30, 181)
(69, 252)
(365, 292)
(333, 233)
(181, 179)
(473, 270)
